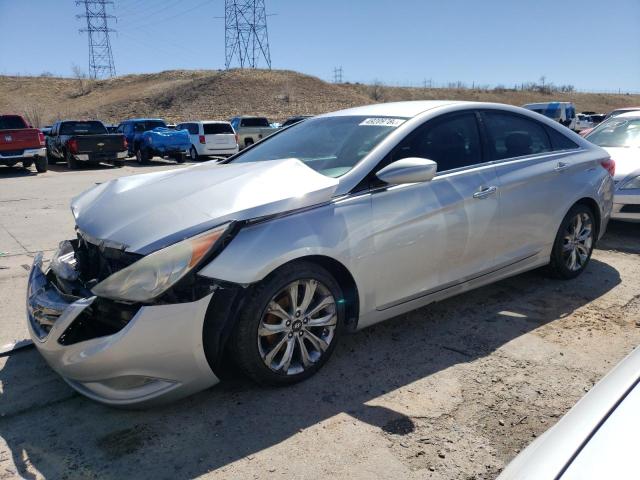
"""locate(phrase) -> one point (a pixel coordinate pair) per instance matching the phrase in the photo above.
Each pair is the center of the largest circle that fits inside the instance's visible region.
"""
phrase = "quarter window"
(452, 142)
(512, 136)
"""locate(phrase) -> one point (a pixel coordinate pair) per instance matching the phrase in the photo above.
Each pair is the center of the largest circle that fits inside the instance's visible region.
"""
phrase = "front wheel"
(289, 326)
(574, 242)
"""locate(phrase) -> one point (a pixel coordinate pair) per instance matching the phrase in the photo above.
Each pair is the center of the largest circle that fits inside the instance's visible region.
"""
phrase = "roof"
(142, 120)
(398, 109)
(629, 114)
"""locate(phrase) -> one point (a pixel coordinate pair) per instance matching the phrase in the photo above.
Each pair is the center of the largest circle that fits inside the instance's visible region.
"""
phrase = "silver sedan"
(331, 225)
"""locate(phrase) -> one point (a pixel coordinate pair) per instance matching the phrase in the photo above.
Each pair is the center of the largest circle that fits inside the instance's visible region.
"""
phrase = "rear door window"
(560, 141)
(510, 135)
(217, 128)
(82, 128)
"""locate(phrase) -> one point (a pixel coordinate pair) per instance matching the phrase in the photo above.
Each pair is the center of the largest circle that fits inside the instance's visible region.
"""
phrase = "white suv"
(210, 138)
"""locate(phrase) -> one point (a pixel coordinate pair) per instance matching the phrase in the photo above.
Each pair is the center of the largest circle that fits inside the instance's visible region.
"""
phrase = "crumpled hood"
(145, 212)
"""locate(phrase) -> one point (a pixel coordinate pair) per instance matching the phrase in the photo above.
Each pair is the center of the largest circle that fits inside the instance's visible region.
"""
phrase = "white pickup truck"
(251, 129)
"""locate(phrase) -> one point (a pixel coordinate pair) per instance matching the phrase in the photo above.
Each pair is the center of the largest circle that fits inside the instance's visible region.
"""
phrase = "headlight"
(631, 184)
(152, 275)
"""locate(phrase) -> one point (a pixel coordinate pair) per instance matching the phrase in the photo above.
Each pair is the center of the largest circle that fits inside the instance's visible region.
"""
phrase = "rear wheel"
(248, 142)
(42, 164)
(179, 158)
(289, 325)
(193, 153)
(72, 163)
(574, 243)
(142, 156)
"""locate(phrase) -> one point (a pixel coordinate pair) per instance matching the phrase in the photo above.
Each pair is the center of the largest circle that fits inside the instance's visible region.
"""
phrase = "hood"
(627, 161)
(142, 213)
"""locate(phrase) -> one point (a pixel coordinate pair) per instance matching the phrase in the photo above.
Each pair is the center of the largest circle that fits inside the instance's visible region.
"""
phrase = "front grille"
(95, 263)
(11, 153)
(631, 208)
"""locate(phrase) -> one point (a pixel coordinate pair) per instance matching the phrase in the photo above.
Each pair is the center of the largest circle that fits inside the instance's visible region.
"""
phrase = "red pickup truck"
(20, 143)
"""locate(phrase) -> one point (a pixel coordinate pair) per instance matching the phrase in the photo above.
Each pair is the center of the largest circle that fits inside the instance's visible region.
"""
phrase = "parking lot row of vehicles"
(76, 141)
(565, 113)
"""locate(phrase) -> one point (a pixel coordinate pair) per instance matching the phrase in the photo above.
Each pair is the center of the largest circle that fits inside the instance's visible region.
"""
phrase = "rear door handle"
(561, 166)
(484, 192)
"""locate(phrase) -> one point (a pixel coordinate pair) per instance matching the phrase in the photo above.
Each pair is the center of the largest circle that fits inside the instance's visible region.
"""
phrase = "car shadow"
(16, 172)
(63, 435)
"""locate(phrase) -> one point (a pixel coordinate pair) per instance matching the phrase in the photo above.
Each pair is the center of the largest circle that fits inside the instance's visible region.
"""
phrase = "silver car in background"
(331, 225)
(620, 137)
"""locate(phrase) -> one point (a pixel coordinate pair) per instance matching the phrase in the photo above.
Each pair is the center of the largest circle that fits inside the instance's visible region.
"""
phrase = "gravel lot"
(452, 391)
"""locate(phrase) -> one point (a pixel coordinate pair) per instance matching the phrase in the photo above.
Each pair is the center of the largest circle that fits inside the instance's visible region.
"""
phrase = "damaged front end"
(74, 269)
(117, 352)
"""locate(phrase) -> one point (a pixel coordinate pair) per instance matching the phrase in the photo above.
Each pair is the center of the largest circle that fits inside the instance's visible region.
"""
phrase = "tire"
(253, 353)
(72, 163)
(248, 142)
(42, 164)
(572, 250)
(179, 158)
(142, 156)
(27, 164)
(118, 163)
(194, 153)
(50, 158)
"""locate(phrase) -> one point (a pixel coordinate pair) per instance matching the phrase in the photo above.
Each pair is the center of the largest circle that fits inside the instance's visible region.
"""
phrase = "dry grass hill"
(198, 94)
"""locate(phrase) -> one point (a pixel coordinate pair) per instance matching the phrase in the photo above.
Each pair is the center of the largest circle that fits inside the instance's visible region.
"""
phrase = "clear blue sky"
(592, 44)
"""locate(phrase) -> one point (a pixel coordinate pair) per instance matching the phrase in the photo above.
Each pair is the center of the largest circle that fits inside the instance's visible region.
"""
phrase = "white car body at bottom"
(396, 246)
(597, 439)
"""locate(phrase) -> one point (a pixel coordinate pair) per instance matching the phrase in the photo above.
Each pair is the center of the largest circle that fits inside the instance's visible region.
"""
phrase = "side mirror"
(408, 170)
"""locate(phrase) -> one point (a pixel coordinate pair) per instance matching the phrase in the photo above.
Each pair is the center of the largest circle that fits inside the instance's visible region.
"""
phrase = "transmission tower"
(245, 33)
(337, 74)
(101, 63)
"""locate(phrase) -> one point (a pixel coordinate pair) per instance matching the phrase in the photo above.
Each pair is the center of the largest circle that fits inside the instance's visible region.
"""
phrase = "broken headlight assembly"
(154, 274)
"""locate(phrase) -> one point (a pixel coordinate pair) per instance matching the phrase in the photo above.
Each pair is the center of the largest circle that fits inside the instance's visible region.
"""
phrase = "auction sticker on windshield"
(383, 122)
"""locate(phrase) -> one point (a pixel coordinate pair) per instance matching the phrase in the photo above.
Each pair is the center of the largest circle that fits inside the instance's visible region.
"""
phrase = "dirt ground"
(451, 391)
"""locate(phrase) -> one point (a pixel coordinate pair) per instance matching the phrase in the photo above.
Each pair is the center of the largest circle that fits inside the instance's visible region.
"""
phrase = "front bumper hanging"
(157, 355)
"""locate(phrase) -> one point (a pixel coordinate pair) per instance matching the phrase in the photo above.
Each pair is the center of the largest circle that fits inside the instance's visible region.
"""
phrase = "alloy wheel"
(578, 242)
(297, 327)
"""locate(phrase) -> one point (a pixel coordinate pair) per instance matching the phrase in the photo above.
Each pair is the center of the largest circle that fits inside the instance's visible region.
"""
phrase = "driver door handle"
(484, 192)
(561, 166)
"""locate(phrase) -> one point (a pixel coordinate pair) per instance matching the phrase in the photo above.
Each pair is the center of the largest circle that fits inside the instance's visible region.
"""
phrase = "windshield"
(254, 122)
(330, 145)
(617, 132)
(82, 128)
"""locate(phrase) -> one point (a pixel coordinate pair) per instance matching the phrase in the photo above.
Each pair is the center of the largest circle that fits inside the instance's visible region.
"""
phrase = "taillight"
(72, 145)
(41, 139)
(609, 165)
(202, 139)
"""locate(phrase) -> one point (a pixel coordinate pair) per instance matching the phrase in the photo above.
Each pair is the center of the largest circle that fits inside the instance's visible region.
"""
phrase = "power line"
(246, 38)
(101, 62)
